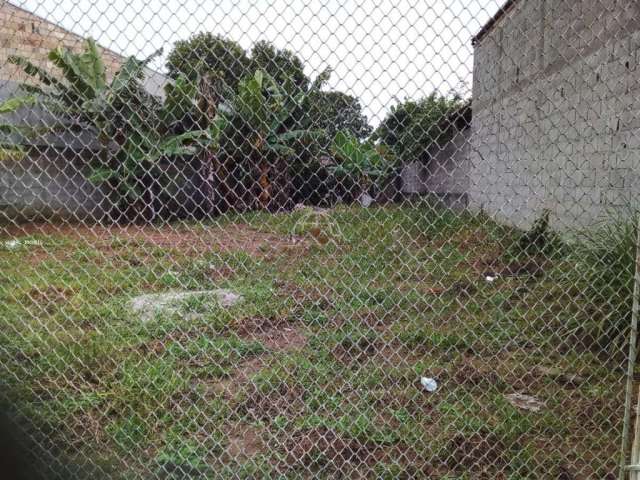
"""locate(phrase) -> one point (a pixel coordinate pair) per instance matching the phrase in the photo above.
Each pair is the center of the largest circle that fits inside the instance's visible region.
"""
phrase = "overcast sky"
(381, 51)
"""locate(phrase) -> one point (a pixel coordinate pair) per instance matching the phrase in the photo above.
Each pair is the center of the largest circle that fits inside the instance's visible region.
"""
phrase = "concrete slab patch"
(149, 306)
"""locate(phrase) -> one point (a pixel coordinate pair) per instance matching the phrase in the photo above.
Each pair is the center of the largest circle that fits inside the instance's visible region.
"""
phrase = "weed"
(605, 262)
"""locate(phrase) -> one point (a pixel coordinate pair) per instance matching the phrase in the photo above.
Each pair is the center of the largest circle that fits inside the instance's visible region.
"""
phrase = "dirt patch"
(320, 297)
(50, 295)
(231, 385)
(159, 345)
(475, 372)
(377, 351)
(277, 334)
(322, 445)
(480, 451)
(227, 238)
(245, 442)
(287, 399)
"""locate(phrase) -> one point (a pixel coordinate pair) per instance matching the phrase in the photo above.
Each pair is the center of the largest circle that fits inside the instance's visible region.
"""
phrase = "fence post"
(634, 465)
(635, 449)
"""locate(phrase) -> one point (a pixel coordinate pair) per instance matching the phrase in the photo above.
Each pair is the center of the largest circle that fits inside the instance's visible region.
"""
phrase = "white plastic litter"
(11, 244)
(490, 278)
(429, 384)
(366, 200)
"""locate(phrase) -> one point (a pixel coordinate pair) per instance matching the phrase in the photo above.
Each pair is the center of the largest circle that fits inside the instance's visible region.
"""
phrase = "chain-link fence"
(289, 239)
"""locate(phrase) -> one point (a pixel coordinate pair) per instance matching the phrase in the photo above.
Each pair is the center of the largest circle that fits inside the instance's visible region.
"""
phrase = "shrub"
(412, 126)
(538, 241)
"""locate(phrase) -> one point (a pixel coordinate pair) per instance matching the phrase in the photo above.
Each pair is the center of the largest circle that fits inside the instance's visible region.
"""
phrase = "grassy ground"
(317, 371)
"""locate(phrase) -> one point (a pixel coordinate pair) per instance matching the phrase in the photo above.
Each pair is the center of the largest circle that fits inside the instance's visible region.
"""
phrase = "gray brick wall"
(28, 35)
(556, 112)
(48, 181)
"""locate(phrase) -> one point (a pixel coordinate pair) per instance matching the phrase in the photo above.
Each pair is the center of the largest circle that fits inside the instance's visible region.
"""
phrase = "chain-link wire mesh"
(290, 239)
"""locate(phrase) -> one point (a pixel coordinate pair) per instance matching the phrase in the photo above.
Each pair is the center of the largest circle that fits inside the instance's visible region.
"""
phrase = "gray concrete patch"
(147, 307)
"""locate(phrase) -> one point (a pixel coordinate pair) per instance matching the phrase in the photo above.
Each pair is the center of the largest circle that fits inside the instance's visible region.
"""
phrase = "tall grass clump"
(604, 270)
(540, 241)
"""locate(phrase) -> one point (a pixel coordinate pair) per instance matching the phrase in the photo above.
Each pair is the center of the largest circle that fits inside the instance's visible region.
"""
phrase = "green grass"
(393, 294)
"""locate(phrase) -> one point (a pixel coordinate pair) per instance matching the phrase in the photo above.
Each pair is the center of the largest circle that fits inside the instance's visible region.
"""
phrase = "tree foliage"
(284, 66)
(361, 162)
(266, 126)
(412, 126)
(335, 111)
(204, 53)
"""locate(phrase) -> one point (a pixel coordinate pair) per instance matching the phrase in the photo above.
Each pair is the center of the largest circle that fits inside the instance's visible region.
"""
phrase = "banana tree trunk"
(264, 183)
(274, 186)
(206, 189)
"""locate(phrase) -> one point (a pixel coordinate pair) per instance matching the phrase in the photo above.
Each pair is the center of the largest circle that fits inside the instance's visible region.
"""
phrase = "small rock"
(525, 402)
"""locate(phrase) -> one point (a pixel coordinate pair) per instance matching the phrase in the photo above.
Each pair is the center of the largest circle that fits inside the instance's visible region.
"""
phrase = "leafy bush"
(266, 127)
(412, 126)
(134, 130)
(360, 163)
(538, 241)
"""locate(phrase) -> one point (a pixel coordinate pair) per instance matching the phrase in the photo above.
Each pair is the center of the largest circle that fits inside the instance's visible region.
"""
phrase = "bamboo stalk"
(633, 340)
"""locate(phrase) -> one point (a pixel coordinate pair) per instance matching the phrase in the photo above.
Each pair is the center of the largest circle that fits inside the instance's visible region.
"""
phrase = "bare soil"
(228, 238)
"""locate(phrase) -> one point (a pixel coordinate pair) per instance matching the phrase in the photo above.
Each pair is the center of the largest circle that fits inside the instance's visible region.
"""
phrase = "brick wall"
(556, 112)
(25, 34)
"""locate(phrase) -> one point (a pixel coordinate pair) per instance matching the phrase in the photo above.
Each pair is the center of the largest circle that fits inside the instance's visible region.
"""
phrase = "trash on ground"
(16, 243)
(525, 402)
(429, 384)
(366, 200)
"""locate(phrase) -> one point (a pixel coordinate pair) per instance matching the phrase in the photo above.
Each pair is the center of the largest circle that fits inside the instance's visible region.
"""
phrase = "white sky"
(381, 51)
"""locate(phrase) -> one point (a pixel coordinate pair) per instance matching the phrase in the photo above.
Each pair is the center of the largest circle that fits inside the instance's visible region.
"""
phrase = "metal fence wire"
(289, 239)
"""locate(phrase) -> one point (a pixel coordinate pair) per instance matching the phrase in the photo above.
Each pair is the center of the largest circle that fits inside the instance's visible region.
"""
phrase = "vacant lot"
(318, 369)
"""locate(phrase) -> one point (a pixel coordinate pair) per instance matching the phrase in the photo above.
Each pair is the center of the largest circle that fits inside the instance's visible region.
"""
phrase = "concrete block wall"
(443, 170)
(49, 182)
(556, 113)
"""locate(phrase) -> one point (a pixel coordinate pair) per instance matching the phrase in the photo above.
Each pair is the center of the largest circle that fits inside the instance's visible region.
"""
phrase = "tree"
(360, 163)
(336, 111)
(284, 66)
(205, 53)
(266, 124)
(133, 128)
(412, 126)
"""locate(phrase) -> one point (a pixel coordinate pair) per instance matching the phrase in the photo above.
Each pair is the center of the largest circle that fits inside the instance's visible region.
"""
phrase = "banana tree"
(265, 126)
(360, 164)
(133, 128)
